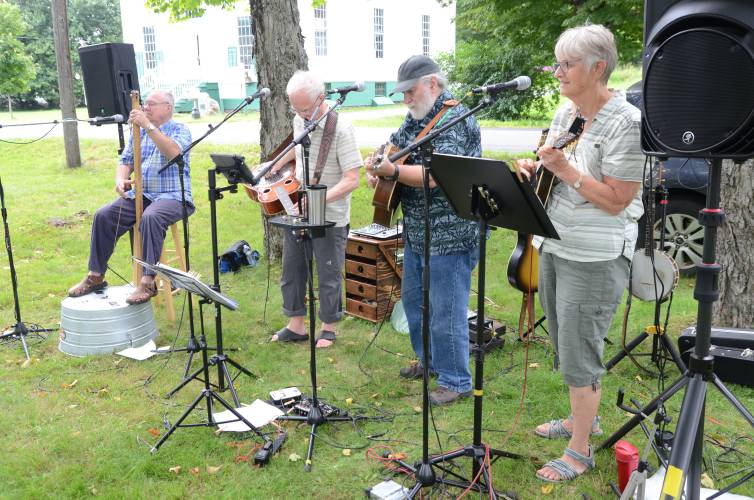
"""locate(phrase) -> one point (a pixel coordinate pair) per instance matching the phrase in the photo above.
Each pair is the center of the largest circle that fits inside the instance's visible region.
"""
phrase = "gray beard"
(422, 109)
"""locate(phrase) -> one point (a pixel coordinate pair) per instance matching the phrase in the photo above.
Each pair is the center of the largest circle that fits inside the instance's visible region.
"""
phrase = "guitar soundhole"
(361, 289)
(361, 269)
(360, 249)
(266, 190)
(288, 181)
(361, 309)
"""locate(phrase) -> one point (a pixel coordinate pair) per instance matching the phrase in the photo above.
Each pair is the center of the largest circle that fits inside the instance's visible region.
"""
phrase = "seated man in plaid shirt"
(161, 140)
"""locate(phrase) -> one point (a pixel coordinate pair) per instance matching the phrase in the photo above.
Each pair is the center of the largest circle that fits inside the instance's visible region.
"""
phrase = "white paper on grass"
(139, 353)
(258, 413)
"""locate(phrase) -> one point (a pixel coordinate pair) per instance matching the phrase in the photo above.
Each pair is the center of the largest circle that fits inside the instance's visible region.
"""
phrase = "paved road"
(238, 132)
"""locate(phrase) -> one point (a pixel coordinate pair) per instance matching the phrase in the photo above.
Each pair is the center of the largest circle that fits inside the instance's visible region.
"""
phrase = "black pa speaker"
(109, 71)
(698, 88)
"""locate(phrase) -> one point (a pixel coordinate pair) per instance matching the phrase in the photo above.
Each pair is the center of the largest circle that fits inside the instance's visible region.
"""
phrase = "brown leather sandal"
(143, 293)
(88, 285)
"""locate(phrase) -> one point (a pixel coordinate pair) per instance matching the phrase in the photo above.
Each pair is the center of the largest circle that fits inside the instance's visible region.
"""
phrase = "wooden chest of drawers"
(373, 276)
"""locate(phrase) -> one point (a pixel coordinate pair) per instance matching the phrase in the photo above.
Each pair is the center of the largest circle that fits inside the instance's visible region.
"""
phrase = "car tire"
(684, 236)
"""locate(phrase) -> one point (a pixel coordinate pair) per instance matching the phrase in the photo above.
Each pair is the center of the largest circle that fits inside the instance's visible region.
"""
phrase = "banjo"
(654, 274)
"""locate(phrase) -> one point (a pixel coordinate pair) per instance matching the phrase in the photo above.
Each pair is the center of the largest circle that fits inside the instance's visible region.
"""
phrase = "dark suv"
(686, 181)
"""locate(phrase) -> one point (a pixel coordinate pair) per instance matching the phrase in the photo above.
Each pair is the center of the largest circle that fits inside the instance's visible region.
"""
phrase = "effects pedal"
(285, 398)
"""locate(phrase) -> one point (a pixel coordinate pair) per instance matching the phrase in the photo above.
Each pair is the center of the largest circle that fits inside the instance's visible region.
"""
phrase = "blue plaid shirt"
(165, 185)
(448, 234)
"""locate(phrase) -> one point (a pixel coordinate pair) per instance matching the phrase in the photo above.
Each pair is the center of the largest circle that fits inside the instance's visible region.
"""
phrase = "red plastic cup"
(627, 460)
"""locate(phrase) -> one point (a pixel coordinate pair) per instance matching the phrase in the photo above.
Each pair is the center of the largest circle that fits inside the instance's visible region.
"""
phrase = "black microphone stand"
(479, 453)
(301, 227)
(193, 346)
(19, 331)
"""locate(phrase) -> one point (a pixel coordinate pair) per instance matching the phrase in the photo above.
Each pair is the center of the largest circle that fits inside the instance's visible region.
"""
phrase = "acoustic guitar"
(523, 265)
(266, 191)
(387, 193)
(654, 274)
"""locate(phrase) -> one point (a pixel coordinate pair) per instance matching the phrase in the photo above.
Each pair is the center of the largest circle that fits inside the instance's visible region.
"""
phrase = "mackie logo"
(688, 137)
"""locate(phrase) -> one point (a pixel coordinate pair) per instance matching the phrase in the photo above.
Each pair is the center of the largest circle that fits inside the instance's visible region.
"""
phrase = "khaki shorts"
(580, 300)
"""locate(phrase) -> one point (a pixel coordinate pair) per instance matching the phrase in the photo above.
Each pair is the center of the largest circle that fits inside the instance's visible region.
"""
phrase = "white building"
(345, 40)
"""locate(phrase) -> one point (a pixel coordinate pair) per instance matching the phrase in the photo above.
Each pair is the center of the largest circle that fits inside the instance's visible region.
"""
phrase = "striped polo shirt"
(610, 147)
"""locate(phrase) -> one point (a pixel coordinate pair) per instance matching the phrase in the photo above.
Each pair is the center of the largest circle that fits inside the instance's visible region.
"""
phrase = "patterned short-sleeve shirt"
(448, 233)
(610, 147)
(165, 185)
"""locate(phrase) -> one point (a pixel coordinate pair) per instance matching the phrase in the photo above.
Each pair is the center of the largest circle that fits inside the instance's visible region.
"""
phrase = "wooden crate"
(373, 277)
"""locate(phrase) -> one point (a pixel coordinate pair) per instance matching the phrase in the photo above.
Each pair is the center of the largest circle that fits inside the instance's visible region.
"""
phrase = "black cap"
(411, 70)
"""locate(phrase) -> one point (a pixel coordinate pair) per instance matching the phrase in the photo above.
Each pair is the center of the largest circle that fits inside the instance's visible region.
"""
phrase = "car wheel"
(684, 236)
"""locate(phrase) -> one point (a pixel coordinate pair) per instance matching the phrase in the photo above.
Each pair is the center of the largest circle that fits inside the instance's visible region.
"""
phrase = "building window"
(379, 89)
(232, 57)
(150, 48)
(245, 42)
(320, 30)
(379, 33)
(425, 35)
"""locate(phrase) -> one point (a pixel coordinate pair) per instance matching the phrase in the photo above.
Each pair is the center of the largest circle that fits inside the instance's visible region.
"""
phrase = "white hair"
(442, 80)
(308, 81)
(592, 42)
(168, 96)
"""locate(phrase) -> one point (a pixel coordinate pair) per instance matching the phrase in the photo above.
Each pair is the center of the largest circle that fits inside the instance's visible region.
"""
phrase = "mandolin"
(266, 191)
(654, 274)
(523, 265)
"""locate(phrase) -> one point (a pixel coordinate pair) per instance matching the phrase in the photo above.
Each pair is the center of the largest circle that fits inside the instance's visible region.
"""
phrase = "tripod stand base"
(20, 331)
(481, 481)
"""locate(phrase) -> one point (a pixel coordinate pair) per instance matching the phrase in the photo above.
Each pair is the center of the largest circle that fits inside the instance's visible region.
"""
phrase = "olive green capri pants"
(579, 300)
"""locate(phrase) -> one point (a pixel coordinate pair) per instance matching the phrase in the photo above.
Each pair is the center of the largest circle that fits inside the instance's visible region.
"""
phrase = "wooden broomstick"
(136, 136)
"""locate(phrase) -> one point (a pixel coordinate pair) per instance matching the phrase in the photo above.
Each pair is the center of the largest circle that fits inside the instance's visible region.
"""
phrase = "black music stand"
(489, 193)
(180, 279)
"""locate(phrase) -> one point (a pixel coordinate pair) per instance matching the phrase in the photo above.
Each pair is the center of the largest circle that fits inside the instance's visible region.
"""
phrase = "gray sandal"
(557, 430)
(566, 470)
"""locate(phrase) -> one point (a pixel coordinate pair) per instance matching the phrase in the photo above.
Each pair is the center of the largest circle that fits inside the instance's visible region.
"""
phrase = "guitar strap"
(446, 106)
(324, 146)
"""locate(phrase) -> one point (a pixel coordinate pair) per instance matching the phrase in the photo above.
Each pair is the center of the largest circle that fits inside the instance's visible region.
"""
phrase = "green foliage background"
(16, 67)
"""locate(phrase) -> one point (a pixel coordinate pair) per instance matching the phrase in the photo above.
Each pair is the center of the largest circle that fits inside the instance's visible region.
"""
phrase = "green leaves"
(16, 66)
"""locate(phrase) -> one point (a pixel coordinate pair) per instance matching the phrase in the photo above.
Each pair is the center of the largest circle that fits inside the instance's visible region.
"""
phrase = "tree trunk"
(278, 53)
(735, 241)
(65, 82)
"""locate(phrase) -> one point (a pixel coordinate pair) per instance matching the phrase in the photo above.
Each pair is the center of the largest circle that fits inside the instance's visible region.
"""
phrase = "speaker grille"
(699, 95)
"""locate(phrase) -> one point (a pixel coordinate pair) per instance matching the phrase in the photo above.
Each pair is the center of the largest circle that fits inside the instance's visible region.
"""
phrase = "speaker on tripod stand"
(698, 71)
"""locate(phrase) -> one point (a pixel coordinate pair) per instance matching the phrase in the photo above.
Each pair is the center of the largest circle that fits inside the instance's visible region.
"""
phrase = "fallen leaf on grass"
(103, 392)
(346, 452)
(707, 481)
(349, 401)
(375, 395)
(236, 444)
(71, 385)
(293, 457)
(241, 458)
(175, 470)
(418, 409)
(194, 470)
(398, 456)
(638, 377)
(533, 365)
(331, 360)
(547, 488)
(26, 363)
(213, 470)
(154, 432)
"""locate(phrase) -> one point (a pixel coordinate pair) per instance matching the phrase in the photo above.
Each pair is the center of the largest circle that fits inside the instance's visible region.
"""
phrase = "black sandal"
(326, 335)
(286, 335)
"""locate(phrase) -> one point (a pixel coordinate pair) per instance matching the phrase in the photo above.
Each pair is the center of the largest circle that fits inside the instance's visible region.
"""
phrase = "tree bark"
(278, 53)
(65, 82)
(735, 241)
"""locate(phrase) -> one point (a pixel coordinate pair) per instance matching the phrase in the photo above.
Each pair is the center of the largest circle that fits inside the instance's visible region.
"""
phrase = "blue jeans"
(450, 281)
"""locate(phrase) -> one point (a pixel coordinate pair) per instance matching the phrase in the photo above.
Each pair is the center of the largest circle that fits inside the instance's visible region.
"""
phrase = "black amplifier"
(732, 364)
(722, 337)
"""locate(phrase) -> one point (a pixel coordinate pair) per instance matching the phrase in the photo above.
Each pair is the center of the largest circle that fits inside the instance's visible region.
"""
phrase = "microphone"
(356, 87)
(263, 92)
(518, 83)
(99, 120)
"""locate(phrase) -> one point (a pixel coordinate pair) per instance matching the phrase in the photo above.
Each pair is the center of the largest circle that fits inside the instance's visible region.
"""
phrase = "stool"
(168, 257)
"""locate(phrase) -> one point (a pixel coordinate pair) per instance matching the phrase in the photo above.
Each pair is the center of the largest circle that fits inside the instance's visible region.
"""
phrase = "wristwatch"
(151, 127)
(577, 185)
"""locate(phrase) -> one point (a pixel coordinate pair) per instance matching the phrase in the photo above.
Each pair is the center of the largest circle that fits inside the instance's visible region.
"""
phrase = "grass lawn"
(81, 427)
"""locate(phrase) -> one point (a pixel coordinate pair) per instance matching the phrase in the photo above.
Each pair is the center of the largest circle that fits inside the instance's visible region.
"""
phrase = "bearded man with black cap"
(453, 241)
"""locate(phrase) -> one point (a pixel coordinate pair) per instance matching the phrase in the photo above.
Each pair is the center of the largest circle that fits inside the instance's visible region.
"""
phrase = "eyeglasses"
(564, 66)
(151, 104)
(306, 113)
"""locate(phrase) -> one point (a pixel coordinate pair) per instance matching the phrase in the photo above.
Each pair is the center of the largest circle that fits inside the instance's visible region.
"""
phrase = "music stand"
(180, 279)
(475, 189)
